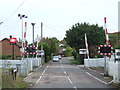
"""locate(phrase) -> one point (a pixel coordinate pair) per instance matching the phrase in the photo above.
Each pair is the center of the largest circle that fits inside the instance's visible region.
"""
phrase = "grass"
(75, 61)
(7, 82)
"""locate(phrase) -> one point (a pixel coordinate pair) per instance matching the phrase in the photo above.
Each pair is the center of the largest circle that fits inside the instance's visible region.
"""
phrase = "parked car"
(55, 59)
(59, 56)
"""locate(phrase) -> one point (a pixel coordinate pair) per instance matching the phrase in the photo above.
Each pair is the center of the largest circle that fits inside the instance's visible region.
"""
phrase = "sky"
(57, 16)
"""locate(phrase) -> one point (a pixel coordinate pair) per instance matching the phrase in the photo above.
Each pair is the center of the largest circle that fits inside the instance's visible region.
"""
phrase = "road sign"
(40, 52)
(31, 49)
(117, 54)
(82, 51)
(105, 49)
(13, 41)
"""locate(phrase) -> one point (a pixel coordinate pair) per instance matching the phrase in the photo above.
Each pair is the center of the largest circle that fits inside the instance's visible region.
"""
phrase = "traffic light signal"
(30, 50)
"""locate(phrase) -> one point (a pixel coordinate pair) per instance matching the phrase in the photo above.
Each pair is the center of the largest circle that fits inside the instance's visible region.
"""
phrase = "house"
(7, 49)
(62, 48)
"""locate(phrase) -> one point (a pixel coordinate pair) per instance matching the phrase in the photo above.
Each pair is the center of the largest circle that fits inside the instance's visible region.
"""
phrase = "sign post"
(13, 42)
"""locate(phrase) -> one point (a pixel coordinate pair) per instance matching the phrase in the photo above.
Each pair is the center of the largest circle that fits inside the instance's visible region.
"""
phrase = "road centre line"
(42, 74)
(65, 73)
(96, 78)
(68, 76)
(69, 80)
(75, 88)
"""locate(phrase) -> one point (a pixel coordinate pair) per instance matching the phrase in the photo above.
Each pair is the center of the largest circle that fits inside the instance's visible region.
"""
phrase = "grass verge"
(75, 61)
(7, 82)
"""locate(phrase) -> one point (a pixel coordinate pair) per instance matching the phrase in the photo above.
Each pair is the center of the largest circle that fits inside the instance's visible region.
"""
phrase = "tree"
(46, 48)
(50, 46)
(75, 36)
(53, 43)
(114, 40)
(68, 51)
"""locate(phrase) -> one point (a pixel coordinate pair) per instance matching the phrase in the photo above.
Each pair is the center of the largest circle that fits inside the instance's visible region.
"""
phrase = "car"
(59, 56)
(55, 59)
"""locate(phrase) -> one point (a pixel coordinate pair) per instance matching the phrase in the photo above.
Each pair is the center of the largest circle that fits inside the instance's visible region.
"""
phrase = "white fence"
(113, 67)
(94, 62)
(24, 66)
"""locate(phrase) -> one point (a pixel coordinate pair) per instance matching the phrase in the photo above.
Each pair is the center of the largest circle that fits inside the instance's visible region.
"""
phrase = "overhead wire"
(53, 29)
(14, 11)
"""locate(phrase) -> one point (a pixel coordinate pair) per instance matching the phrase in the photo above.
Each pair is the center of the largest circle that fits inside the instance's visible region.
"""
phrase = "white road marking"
(95, 71)
(110, 82)
(69, 80)
(68, 76)
(39, 79)
(65, 73)
(75, 88)
(30, 73)
(96, 78)
(35, 70)
(38, 67)
(54, 76)
(42, 74)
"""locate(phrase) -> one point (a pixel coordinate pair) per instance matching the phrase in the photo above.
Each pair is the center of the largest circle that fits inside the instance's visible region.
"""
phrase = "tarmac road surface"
(65, 75)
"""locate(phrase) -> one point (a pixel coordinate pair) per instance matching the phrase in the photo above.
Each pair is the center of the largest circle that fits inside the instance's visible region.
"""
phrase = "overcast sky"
(57, 16)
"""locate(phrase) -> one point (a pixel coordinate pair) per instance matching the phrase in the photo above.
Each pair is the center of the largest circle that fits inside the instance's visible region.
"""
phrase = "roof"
(17, 44)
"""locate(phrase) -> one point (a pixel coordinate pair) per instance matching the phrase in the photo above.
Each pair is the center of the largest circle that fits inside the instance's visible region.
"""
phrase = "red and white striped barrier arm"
(106, 32)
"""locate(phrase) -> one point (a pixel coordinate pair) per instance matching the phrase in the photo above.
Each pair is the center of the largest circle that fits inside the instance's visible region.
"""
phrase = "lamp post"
(21, 16)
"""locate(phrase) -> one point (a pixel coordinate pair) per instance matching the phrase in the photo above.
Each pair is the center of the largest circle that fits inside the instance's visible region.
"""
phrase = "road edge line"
(42, 74)
(96, 78)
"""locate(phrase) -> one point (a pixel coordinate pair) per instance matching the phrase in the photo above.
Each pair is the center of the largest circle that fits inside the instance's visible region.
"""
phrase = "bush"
(4, 57)
(74, 53)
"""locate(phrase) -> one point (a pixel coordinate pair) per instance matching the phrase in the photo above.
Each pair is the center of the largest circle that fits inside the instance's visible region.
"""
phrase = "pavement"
(63, 74)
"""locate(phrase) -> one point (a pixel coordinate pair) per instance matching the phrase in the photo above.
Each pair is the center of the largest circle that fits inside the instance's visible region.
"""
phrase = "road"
(63, 74)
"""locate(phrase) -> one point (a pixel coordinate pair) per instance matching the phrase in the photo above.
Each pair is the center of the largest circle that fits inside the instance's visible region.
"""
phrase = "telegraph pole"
(41, 40)
(33, 24)
(41, 35)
